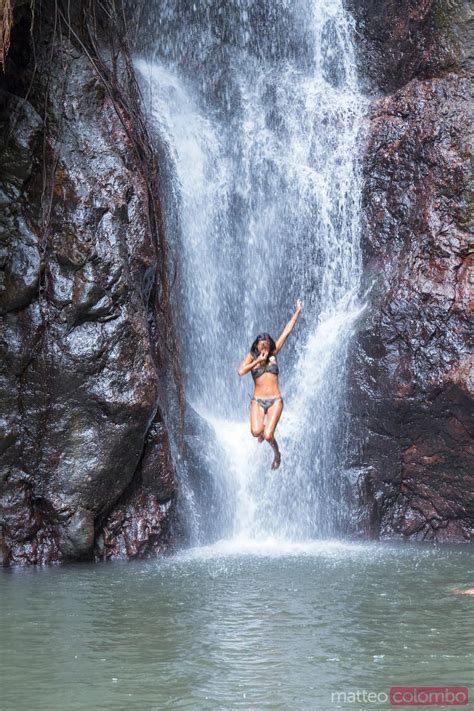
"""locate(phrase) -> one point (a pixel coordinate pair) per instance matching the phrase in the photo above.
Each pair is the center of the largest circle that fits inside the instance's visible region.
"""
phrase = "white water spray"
(258, 107)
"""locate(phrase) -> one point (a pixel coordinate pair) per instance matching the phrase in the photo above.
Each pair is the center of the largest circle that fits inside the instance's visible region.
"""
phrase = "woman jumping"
(267, 399)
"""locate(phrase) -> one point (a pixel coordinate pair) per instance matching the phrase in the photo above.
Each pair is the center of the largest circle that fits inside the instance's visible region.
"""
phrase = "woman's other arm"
(249, 363)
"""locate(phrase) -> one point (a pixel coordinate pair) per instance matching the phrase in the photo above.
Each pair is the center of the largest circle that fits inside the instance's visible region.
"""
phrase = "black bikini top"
(271, 367)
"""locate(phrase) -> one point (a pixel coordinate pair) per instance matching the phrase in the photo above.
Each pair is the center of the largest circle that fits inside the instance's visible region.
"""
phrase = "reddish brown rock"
(412, 372)
(399, 40)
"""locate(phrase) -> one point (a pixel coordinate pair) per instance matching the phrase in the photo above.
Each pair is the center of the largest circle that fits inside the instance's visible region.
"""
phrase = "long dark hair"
(262, 337)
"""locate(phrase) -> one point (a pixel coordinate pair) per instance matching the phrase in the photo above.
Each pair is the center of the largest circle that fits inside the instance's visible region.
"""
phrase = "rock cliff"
(411, 368)
(87, 342)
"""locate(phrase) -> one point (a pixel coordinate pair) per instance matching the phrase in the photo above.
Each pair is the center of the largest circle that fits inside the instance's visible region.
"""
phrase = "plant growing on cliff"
(5, 29)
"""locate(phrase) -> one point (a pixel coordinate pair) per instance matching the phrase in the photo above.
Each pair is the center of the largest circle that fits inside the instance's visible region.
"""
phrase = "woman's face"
(263, 346)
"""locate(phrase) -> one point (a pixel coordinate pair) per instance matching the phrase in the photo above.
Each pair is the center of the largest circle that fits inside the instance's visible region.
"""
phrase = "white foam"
(272, 547)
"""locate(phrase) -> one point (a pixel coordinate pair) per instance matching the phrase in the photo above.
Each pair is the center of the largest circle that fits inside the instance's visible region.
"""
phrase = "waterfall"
(258, 110)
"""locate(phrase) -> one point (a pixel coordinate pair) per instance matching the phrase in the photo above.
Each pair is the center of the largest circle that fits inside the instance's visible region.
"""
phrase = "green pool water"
(237, 625)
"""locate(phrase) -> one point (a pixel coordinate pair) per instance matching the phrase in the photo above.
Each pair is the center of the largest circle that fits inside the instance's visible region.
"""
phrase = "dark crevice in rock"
(143, 521)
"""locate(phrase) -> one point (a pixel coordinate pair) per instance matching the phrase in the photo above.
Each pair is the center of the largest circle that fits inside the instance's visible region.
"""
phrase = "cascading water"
(259, 112)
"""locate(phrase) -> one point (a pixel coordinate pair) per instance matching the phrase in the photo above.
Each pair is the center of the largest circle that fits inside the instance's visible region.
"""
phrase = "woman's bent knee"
(268, 434)
(255, 433)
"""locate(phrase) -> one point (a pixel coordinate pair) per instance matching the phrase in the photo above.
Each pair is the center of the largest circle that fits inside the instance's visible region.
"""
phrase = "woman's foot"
(277, 458)
(276, 461)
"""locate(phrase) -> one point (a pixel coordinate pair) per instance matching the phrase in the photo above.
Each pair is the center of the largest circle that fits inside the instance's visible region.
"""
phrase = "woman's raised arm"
(289, 327)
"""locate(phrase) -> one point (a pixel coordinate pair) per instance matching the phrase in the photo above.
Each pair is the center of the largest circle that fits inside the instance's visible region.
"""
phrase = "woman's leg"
(257, 415)
(273, 415)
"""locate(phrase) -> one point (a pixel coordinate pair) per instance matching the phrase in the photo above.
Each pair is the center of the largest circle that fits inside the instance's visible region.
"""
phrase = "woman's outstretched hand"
(299, 306)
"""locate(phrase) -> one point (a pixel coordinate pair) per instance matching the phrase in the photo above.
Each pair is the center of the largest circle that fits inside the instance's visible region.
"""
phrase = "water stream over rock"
(260, 137)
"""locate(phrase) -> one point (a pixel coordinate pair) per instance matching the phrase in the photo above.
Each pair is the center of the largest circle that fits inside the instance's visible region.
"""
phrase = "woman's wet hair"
(262, 337)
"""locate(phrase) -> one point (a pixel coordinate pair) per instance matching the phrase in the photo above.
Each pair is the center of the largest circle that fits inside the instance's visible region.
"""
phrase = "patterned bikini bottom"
(267, 402)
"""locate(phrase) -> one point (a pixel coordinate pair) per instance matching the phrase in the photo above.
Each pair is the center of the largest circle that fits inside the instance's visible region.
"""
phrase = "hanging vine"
(5, 29)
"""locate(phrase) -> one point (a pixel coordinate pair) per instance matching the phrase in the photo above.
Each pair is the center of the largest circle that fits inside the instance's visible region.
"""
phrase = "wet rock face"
(412, 375)
(140, 524)
(80, 375)
(399, 40)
